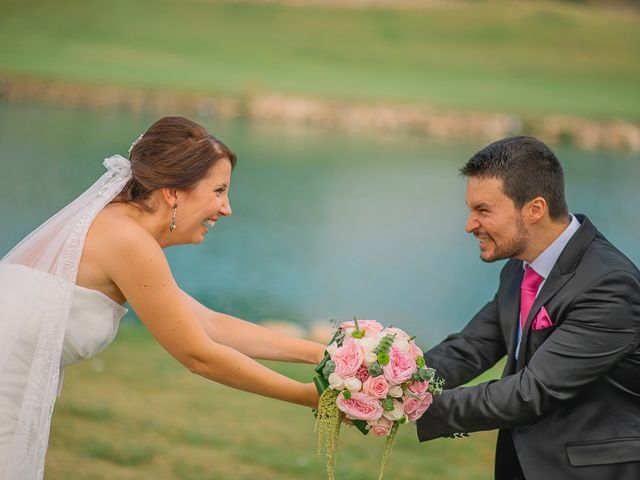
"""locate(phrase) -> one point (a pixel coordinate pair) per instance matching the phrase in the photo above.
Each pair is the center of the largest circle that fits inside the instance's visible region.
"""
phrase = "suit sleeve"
(600, 329)
(465, 355)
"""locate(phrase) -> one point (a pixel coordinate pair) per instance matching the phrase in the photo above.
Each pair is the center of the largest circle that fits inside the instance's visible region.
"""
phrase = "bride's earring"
(172, 225)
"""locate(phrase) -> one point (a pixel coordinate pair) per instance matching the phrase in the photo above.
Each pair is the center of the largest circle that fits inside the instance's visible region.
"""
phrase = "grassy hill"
(520, 57)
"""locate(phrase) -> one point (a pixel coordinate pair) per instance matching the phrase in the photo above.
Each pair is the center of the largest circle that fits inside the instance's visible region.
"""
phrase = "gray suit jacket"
(571, 402)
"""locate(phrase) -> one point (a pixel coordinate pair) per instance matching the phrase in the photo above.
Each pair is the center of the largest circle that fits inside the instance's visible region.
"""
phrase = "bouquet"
(374, 377)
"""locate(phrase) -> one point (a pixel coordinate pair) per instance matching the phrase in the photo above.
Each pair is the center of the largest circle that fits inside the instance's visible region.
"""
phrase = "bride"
(62, 288)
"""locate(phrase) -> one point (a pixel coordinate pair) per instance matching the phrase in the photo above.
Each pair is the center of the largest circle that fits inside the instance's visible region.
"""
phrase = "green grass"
(135, 413)
(522, 57)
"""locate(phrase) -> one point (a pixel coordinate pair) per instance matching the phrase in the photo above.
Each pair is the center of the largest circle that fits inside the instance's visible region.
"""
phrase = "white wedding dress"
(48, 322)
(92, 324)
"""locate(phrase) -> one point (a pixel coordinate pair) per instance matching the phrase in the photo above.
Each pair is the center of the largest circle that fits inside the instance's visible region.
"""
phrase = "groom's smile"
(483, 239)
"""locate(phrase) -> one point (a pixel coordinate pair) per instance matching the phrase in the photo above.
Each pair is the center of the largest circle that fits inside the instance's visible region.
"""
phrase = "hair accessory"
(135, 142)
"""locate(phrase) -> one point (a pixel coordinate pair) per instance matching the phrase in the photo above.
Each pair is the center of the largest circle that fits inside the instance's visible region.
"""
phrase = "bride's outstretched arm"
(254, 340)
(139, 268)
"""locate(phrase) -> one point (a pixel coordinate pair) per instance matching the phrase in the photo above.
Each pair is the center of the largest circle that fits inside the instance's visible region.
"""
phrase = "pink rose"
(376, 387)
(381, 427)
(348, 359)
(360, 406)
(369, 327)
(400, 367)
(419, 388)
(398, 332)
(415, 407)
(415, 350)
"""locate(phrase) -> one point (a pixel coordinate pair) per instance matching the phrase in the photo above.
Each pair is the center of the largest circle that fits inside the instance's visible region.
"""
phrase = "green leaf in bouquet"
(387, 404)
(374, 369)
(382, 350)
(436, 386)
(361, 425)
(320, 383)
(320, 380)
(327, 358)
(420, 362)
(338, 335)
(322, 363)
(426, 374)
(329, 368)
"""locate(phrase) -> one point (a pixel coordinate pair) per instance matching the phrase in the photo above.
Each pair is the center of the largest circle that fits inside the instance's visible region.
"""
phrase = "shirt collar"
(544, 262)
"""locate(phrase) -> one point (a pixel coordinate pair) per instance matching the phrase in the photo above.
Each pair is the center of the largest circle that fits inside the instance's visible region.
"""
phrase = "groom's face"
(494, 220)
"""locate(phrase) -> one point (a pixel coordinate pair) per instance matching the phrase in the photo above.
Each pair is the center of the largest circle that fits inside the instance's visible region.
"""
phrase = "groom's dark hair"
(527, 168)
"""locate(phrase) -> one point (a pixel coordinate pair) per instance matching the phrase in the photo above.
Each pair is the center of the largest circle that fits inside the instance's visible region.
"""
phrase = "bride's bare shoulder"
(114, 242)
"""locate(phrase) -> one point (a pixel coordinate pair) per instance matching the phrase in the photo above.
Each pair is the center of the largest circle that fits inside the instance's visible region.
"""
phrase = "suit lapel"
(509, 315)
(561, 273)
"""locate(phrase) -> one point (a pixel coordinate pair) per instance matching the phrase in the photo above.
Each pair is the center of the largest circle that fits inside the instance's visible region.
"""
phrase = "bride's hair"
(174, 152)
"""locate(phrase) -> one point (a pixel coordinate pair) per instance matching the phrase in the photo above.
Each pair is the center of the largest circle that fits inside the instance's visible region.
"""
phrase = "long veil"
(37, 281)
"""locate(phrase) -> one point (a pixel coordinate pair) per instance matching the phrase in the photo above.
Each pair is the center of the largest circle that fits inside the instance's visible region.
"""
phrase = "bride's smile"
(201, 207)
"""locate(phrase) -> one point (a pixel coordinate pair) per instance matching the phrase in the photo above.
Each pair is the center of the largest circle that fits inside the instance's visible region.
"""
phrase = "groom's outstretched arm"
(463, 356)
(600, 330)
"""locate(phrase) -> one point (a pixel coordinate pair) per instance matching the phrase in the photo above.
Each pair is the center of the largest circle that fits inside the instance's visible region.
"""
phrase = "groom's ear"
(170, 196)
(536, 209)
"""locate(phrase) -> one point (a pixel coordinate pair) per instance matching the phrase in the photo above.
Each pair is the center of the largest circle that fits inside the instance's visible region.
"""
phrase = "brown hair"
(527, 168)
(174, 152)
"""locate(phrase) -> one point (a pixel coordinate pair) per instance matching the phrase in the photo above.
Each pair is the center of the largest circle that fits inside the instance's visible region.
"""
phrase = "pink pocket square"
(542, 320)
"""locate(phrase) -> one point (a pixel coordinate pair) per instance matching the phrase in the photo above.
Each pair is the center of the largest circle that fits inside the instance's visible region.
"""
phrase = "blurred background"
(350, 119)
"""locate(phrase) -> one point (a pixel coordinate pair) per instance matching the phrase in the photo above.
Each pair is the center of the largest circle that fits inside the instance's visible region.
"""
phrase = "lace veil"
(37, 281)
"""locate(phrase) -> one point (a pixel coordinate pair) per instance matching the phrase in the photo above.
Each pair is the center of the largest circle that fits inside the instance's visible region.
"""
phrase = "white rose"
(402, 344)
(353, 384)
(396, 391)
(336, 382)
(332, 348)
(396, 414)
(380, 336)
(368, 344)
(399, 333)
(348, 332)
(370, 358)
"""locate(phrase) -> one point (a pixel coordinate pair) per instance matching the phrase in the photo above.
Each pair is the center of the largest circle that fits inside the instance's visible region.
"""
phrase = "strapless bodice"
(92, 325)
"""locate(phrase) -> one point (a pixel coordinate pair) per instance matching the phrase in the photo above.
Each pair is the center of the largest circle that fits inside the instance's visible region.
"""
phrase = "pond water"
(325, 224)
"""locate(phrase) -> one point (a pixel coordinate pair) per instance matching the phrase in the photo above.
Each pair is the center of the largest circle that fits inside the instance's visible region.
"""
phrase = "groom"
(567, 317)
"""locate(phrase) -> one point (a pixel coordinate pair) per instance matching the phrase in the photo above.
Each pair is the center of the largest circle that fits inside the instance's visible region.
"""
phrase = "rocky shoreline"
(619, 135)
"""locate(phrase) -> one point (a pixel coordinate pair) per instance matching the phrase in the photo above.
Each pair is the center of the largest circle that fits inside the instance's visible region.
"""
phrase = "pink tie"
(528, 290)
